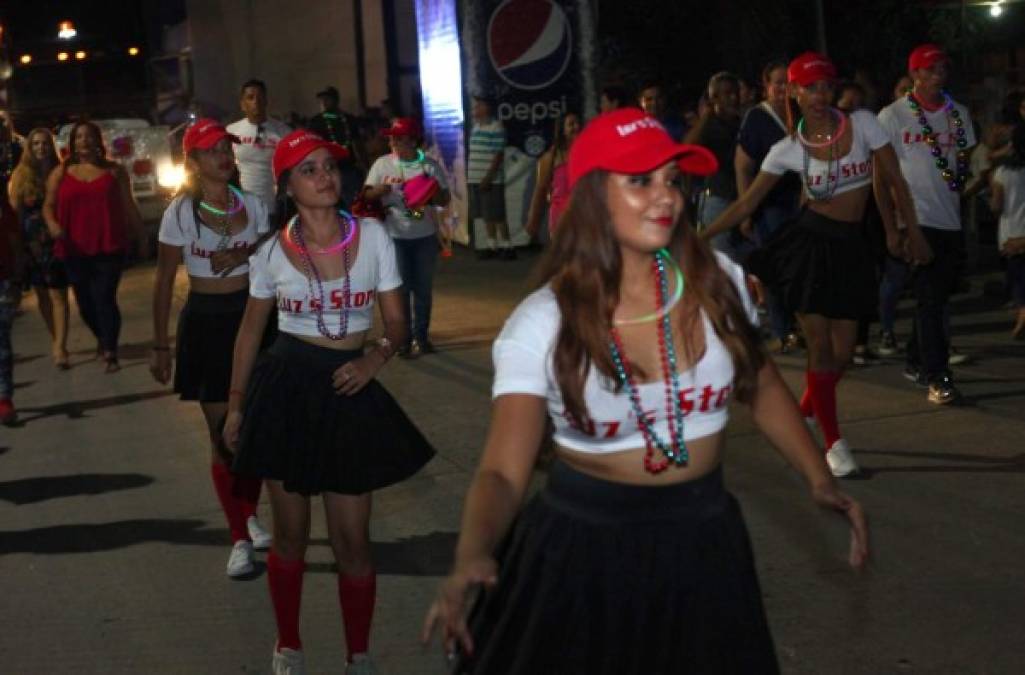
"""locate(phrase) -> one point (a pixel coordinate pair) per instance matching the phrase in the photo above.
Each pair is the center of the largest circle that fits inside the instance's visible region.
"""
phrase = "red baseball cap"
(204, 135)
(628, 140)
(809, 68)
(294, 147)
(925, 56)
(403, 126)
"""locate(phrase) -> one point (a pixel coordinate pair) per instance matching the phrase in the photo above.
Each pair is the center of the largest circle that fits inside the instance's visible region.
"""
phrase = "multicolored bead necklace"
(675, 449)
(955, 127)
(345, 242)
(311, 274)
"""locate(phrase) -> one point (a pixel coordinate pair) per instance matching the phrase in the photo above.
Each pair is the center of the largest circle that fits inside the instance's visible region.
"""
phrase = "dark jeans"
(416, 258)
(929, 344)
(94, 280)
(6, 352)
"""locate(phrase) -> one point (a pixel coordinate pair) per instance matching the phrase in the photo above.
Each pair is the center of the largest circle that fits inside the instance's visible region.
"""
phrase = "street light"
(133, 51)
(995, 9)
(62, 56)
(80, 55)
(26, 59)
(66, 30)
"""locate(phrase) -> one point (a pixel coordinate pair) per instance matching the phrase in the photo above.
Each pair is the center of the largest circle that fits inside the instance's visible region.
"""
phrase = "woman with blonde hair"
(26, 192)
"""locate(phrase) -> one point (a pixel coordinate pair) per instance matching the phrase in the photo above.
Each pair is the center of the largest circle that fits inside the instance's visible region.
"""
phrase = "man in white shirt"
(933, 137)
(259, 135)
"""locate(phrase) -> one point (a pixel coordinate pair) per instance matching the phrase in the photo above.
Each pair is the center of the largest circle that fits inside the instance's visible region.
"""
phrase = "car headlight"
(170, 176)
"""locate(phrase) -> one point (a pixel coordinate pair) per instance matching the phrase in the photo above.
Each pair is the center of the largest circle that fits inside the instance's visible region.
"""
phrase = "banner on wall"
(535, 59)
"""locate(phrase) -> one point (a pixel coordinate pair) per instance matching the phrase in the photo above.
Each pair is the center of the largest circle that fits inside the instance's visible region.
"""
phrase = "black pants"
(929, 346)
(94, 280)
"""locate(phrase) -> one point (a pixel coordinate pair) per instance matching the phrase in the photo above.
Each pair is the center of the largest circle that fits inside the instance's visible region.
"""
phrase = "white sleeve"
(520, 352)
(387, 266)
(779, 159)
(172, 230)
(888, 122)
(872, 131)
(375, 175)
(739, 279)
(435, 171)
(261, 283)
(258, 212)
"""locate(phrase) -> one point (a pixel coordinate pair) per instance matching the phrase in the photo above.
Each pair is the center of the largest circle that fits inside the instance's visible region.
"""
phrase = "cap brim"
(693, 159)
(211, 141)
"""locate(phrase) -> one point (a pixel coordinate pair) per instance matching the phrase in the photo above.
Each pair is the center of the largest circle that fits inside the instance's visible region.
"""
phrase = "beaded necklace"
(311, 274)
(832, 162)
(223, 219)
(955, 128)
(341, 245)
(675, 449)
(234, 204)
(664, 309)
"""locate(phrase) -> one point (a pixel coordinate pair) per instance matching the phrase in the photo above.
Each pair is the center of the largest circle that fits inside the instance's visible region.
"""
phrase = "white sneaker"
(841, 461)
(261, 537)
(288, 662)
(360, 665)
(240, 562)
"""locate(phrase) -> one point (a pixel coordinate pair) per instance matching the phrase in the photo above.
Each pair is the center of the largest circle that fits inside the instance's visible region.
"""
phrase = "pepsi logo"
(529, 42)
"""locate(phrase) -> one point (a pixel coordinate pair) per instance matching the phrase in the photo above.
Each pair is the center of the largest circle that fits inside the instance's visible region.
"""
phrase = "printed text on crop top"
(522, 356)
(178, 228)
(855, 168)
(272, 275)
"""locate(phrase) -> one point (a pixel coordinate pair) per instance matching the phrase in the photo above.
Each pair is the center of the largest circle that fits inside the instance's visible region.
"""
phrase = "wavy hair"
(583, 266)
(29, 178)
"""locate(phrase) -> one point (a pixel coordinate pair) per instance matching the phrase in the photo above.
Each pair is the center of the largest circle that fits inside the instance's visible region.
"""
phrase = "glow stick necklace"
(666, 308)
(292, 234)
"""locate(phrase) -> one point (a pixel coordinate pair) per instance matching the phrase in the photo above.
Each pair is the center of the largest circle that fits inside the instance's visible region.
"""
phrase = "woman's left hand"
(830, 497)
(222, 262)
(355, 374)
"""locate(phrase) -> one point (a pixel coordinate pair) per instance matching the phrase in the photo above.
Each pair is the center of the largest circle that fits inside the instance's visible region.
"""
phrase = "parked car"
(144, 150)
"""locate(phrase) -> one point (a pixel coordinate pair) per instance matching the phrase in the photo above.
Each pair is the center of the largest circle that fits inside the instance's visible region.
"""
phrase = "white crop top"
(178, 228)
(523, 355)
(854, 170)
(272, 275)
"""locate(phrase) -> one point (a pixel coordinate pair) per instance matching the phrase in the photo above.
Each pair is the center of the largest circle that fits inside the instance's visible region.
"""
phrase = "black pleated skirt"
(820, 266)
(205, 342)
(297, 430)
(602, 578)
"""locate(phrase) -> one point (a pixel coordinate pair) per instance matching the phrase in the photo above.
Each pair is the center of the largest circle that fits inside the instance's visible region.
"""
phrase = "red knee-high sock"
(223, 484)
(285, 579)
(805, 405)
(247, 492)
(822, 386)
(357, 596)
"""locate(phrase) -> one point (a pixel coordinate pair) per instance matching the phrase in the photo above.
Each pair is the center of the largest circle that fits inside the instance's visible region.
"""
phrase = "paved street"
(112, 547)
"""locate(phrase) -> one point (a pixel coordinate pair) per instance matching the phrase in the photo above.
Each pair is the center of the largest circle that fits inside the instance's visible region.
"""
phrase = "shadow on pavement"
(428, 555)
(91, 538)
(78, 409)
(967, 463)
(33, 490)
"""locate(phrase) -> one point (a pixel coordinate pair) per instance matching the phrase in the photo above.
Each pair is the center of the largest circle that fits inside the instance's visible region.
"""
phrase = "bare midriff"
(627, 466)
(218, 285)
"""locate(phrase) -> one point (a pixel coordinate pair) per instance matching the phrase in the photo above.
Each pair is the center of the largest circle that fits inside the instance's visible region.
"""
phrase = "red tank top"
(92, 216)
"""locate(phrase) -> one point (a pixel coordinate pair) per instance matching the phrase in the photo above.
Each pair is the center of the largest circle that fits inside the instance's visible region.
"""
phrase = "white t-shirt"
(272, 275)
(254, 155)
(935, 204)
(854, 170)
(1012, 217)
(388, 170)
(178, 227)
(523, 356)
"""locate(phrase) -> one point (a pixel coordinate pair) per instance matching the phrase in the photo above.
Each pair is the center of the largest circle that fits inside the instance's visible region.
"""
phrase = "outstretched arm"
(744, 206)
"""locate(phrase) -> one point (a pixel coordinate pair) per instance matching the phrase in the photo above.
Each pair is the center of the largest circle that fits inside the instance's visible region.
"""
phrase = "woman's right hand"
(232, 425)
(449, 607)
(160, 365)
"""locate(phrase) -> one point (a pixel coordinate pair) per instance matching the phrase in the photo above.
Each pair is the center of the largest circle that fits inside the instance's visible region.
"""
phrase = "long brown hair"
(29, 177)
(101, 160)
(583, 265)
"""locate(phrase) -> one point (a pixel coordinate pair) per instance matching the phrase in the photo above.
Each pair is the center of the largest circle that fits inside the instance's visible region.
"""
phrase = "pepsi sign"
(529, 43)
(526, 55)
